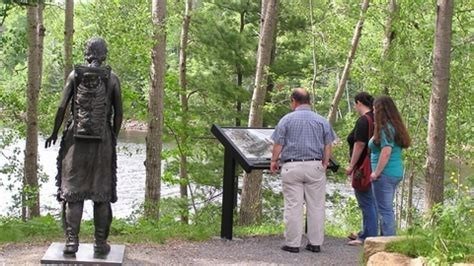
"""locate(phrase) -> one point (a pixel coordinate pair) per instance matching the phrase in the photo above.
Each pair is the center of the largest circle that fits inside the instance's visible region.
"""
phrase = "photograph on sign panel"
(253, 143)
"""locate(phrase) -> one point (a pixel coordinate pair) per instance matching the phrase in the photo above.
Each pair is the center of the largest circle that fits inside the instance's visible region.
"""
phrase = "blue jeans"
(366, 203)
(384, 191)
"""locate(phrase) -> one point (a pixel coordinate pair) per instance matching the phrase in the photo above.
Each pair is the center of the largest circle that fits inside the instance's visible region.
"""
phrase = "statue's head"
(95, 51)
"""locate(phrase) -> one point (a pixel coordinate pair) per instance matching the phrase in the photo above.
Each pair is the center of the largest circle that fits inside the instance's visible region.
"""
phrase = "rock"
(386, 258)
(373, 245)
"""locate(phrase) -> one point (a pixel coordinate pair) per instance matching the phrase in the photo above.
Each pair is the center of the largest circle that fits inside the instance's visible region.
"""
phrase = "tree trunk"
(313, 51)
(251, 203)
(389, 35)
(345, 73)
(154, 136)
(263, 61)
(68, 37)
(68, 43)
(434, 188)
(183, 174)
(409, 208)
(239, 71)
(35, 53)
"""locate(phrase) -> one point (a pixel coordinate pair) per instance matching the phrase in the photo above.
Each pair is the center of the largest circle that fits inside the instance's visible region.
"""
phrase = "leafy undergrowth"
(37, 229)
(447, 237)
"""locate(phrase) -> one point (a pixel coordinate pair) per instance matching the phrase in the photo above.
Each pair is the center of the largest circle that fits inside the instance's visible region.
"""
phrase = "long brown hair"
(387, 113)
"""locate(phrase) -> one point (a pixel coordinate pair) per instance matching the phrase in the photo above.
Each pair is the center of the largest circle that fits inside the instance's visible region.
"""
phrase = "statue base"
(84, 256)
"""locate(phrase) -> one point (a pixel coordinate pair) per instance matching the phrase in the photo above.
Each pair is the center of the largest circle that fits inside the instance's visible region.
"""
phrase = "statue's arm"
(117, 104)
(58, 120)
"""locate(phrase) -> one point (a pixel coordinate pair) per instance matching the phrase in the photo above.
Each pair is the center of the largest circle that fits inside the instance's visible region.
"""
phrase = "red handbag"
(361, 173)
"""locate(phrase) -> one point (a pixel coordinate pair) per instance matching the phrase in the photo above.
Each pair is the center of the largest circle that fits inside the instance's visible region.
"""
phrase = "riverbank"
(258, 250)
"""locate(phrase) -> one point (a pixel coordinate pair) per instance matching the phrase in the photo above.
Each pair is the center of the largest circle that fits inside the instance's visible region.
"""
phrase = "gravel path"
(261, 250)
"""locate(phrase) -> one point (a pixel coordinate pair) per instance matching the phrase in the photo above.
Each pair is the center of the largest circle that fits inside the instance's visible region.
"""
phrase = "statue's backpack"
(90, 101)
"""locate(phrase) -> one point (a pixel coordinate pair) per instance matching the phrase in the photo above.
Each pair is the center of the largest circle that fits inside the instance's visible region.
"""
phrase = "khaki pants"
(304, 182)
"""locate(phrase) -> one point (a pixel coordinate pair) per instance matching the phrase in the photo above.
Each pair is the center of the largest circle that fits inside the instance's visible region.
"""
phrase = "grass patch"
(37, 229)
(411, 246)
(262, 229)
(160, 231)
(47, 228)
(419, 246)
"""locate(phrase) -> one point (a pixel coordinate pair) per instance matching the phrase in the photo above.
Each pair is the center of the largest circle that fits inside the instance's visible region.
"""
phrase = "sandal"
(352, 236)
(356, 242)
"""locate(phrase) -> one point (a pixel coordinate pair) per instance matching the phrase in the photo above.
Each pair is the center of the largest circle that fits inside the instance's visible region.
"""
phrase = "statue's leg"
(72, 223)
(102, 221)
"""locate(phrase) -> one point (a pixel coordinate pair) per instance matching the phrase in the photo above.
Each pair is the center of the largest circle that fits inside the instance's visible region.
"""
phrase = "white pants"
(304, 182)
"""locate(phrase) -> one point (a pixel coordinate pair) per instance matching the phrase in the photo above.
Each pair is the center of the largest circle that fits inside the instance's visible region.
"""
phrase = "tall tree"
(239, 69)
(313, 49)
(434, 189)
(389, 34)
(154, 141)
(347, 67)
(251, 203)
(68, 37)
(35, 35)
(183, 173)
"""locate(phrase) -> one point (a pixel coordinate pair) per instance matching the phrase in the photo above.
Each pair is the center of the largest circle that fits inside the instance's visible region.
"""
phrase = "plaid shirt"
(303, 134)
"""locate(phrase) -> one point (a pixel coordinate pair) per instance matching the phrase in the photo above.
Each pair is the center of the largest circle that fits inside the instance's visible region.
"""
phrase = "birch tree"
(183, 173)
(35, 35)
(154, 138)
(347, 67)
(68, 37)
(251, 203)
(389, 34)
(434, 188)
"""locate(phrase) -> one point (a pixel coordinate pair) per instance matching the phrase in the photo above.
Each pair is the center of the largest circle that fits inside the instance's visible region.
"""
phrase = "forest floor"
(260, 250)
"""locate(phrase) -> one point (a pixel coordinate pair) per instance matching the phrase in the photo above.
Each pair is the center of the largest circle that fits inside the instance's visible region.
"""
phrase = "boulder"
(373, 245)
(385, 258)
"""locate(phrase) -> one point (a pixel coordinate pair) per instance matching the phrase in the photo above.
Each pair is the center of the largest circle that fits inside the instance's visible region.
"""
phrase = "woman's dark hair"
(300, 95)
(387, 113)
(365, 98)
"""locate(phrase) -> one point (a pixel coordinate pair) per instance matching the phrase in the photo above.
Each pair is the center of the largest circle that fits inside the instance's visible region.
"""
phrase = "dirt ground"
(262, 250)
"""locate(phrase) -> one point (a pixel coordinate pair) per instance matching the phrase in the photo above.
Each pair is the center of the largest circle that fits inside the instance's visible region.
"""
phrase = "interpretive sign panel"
(251, 147)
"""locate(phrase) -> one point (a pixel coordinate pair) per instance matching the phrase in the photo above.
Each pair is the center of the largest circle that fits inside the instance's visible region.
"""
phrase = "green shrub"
(41, 228)
(446, 237)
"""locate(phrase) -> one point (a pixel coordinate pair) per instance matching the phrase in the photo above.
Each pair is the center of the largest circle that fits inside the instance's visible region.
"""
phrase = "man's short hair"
(300, 95)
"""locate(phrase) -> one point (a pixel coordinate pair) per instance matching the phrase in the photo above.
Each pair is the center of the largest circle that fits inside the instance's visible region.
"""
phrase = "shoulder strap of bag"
(370, 132)
(371, 125)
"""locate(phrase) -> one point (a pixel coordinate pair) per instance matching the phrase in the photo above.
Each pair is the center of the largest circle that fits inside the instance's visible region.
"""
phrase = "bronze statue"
(87, 161)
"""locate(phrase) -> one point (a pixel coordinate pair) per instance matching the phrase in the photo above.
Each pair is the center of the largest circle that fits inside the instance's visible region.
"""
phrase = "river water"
(130, 179)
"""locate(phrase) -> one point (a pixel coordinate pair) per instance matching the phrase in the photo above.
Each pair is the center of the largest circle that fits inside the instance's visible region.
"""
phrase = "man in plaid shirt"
(302, 148)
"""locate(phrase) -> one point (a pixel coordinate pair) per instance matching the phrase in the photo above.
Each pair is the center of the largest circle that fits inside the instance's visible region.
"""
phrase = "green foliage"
(158, 231)
(38, 228)
(205, 223)
(272, 200)
(260, 229)
(412, 246)
(345, 217)
(446, 235)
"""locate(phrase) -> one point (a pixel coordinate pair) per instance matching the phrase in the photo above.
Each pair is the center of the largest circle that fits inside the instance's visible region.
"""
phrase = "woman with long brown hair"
(390, 137)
